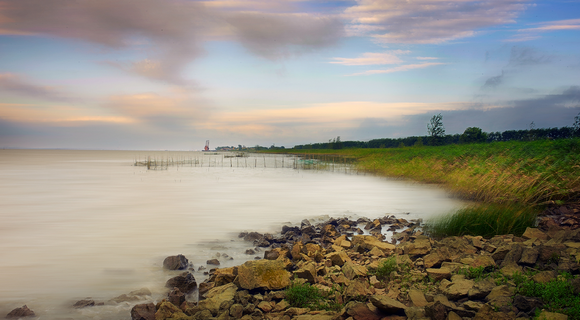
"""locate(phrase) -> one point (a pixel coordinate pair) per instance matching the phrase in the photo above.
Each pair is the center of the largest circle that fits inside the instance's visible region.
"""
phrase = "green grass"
(485, 220)
(385, 268)
(303, 295)
(528, 172)
(557, 295)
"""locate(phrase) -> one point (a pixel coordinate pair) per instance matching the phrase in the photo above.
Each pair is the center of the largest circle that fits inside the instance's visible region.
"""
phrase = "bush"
(386, 267)
(303, 295)
(557, 295)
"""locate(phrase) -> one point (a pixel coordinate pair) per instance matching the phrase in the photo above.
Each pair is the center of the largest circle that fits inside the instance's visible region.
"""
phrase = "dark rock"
(513, 256)
(305, 223)
(387, 304)
(178, 262)
(84, 303)
(145, 311)
(215, 262)
(286, 229)
(526, 304)
(272, 254)
(263, 243)
(185, 282)
(529, 256)
(436, 311)
(250, 251)
(20, 312)
(252, 236)
(176, 297)
(359, 310)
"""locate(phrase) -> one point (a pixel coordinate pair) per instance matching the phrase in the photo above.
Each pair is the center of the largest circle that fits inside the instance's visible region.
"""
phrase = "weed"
(306, 296)
(386, 267)
(475, 273)
(557, 295)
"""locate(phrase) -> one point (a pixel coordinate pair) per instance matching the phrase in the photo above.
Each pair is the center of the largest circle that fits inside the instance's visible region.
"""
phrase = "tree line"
(437, 137)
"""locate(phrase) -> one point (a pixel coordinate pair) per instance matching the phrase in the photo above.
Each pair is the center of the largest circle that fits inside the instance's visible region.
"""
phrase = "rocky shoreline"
(412, 276)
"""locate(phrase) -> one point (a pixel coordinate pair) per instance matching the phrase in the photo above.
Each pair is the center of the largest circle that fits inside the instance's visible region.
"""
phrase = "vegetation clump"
(304, 295)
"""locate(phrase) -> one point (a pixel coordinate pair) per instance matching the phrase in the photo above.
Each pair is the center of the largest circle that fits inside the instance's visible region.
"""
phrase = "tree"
(473, 135)
(436, 129)
(576, 124)
(337, 144)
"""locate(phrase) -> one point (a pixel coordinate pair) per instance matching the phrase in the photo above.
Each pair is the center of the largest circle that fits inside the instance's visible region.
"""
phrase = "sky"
(171, 74)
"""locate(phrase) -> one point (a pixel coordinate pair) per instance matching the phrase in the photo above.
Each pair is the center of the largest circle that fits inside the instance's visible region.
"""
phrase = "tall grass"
(484, 220)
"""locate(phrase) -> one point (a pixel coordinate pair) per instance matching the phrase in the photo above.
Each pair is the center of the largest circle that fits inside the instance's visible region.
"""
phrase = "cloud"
(19, 85)
(494, 81)
(521, 57)
(427, 21)
(276, 36)
(405, 67)
(550, 26)
(371, 58)
(58, 115)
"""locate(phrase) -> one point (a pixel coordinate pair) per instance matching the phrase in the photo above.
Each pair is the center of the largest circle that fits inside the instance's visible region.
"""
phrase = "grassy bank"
(525, 172)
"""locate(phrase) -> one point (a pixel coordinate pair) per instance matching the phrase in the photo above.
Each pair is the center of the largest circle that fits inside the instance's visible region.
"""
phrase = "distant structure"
(206, 146)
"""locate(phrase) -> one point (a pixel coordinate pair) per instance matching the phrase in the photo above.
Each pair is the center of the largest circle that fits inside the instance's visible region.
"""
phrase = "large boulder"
(267, 274)
(216, 296)
(144, 311)
(168, 311)
(178, 262)
(185, 282)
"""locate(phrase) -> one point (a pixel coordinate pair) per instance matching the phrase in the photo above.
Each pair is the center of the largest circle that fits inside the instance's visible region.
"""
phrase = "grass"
(557, 295)
(385, 268)
(527, 172)
(303, 295)
(484, 220)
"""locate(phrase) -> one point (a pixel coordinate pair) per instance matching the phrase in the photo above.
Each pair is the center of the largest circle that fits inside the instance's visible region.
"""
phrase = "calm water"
(78, 224)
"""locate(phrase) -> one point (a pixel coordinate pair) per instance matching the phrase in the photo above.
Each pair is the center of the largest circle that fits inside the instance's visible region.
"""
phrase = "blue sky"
(170, 74)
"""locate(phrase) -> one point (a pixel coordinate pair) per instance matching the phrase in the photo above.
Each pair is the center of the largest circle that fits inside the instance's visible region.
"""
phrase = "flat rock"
(338, 258)
(387, 304)
(531, 233)
(545, 276)
(482, 261)
(216, 296)
(417, 297)
(439, 274)
(84, 303)
(529, 256)
(267, 274)
(458, 289)
(369, 242)
(419, 247)
(21, 312)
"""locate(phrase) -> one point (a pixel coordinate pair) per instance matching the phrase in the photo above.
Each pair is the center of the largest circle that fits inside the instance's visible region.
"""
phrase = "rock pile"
(430, 280)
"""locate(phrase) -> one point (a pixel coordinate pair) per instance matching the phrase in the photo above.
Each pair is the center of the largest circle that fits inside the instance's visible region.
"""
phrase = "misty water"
(79, 224)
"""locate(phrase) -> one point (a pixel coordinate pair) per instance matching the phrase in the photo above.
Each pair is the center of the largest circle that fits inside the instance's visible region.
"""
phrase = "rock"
(545, 315)
(483, 261)
(267, 274)
(84, 303)
(144, 311)
(166, 310)
(178, 262)
(500, 253)
(387, 304)
(531, 233)
(433, 259)
(472, 305)
(359, 310)
(357, 288)
(132, 296)
(215, 262)
(252, 251)
(352, 271)
(318, 316)
(526, 304)
(307, 271)
(20, 313)
(216, 296)
(529, 256)
(453, 316)
(436, 311)
(458, 289)
(481, 289)
(417, 297)
(236, 310)
(421, 246)
(224, 276)
(487, 313)
(510, 269)
(176, 297)
(545, 276)
(369, 242)
(513, 256)
(338, 258)
(439, 274)
(502, 290)
(415, 313)
(185, 282)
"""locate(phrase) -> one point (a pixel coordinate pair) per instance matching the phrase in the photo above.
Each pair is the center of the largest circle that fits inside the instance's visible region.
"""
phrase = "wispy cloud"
(427, 21)
(405, 67)
(24, 87)
(533, 33)
(372, 58)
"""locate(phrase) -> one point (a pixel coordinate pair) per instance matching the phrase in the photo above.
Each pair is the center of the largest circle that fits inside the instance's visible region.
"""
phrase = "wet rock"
(84, 303)
(267, 274)
(178, 262)
(185, 282)
(167, 310)
(216, 296)
(21, 312)
(215, 262)
(176, 297)
(136, 295)
(250, 251)
(252, 236)
(144, 311)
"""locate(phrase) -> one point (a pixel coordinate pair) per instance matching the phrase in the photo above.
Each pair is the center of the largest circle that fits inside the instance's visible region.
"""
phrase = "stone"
(215, 262)
(264, 306)
(482, 261)
(338, 258)
(529, 256)
(510, 269)
(387, 304)
(545, 315)
(352, 271)
(224, 275)
(318, 316)
(178, 262)
(415, 313)
(376, 252)
(487, 313)
(436, 311)
(167, 310)
(281, 306)
(526, 304)
(21, 312)
(307, 271)
(500, 253)
(357, 288)
(176, 297)
(216, 296)
(252, 251)
(417, 297)
(359, 310)
(144, 311)
(439, 274)
(236, 310)
(369, 242)
(267, 274)
(431, 260)
(458, 289)
(84, 303)
(453, 316)
(481, 289)
(513, 256)
(545, 276)
(421, 246)
(498, 291)
(472, 305)
(532, 233)
(185, 282)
